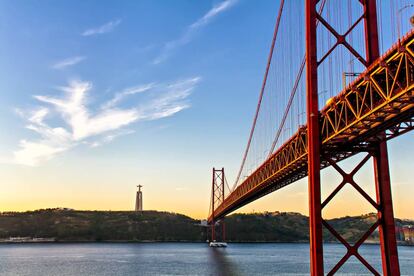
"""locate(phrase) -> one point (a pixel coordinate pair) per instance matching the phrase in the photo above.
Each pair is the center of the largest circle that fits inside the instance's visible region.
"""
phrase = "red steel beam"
(371, 31)
(389, 253)
(314, 142)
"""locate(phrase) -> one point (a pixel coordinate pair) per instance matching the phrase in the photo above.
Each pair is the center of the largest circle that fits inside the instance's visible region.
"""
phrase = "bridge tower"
(376, 149)
(217, 197)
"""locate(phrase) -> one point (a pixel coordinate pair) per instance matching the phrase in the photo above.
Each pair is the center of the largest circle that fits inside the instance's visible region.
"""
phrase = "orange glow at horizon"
(25, 188)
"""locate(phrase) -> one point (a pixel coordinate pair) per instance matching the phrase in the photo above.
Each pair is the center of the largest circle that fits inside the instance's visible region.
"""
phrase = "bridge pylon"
(217, 226)
(377, 150)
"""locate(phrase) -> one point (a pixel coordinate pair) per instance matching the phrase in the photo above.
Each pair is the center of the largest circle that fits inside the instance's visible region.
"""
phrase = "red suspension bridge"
(349, 58)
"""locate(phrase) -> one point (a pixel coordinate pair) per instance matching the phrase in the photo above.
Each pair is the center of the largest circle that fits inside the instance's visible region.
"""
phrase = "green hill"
(71, 225)
(293, 227)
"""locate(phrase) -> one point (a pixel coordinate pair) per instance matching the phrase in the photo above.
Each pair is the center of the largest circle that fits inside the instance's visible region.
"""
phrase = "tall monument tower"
(138, 201)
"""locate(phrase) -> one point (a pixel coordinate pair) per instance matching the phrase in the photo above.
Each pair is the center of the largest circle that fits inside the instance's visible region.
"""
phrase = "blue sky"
(160, 85)
(99, 96)
(111, 48)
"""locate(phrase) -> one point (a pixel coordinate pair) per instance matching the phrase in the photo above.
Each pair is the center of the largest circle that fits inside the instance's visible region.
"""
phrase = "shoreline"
(177, 241)
(70, 226)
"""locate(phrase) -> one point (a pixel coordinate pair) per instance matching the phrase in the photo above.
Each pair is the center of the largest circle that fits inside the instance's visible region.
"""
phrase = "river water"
(181, 259)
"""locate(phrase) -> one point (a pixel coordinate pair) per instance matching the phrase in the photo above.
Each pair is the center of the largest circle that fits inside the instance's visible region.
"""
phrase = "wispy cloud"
(173, 100)
(105, 28)
(75, 113)
(127, 92)
(79, 125)
(68, 62)
(109, 138)
(213, 12)
(191, 30)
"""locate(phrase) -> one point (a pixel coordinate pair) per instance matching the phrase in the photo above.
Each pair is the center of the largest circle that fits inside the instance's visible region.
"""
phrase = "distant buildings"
(407, 233)
(138, 200)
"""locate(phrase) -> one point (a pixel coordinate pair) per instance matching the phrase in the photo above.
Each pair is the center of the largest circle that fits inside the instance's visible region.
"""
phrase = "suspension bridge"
(338, 83)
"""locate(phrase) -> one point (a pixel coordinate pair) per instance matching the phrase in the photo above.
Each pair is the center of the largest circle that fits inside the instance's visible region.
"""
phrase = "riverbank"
(13, 240)
(66, 225)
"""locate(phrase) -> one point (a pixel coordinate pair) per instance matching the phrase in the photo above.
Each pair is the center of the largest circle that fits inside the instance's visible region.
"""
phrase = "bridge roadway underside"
(377, 106)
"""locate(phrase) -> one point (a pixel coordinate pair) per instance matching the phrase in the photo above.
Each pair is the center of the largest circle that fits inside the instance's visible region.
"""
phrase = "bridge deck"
(378, 105)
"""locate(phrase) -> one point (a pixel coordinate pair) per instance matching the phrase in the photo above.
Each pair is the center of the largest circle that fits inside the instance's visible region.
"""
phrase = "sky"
(97, 97)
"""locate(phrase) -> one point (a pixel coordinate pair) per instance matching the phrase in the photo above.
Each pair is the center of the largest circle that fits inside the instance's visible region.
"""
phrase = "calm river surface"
(179, 259)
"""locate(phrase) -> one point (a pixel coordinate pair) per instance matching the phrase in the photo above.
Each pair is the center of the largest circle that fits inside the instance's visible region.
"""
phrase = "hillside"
(280, 227)
(293, 227)
(71, 225)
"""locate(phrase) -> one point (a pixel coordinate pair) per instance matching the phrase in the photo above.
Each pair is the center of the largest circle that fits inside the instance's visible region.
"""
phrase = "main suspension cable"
(269, 60)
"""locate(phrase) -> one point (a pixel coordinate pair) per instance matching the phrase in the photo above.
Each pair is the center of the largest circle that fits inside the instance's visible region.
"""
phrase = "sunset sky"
(97, 97)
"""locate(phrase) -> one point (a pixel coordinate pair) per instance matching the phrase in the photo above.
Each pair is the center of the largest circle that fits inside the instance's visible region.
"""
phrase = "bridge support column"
(213, 230)
(389, 253)
(383, 203)
(314, 143)
(217, 197)
(223, 231)
(219, 233)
